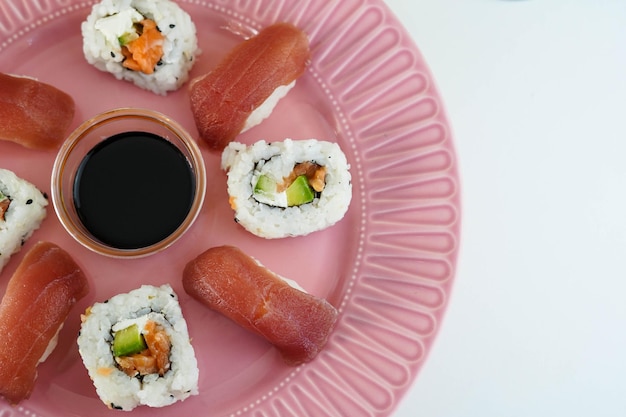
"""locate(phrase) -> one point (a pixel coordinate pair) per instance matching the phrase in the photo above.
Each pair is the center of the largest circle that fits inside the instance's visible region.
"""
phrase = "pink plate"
(388, 266)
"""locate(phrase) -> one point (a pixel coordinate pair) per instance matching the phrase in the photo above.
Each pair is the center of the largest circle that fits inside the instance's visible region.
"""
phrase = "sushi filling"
(274, 187)
(141, 347)
(145, 50)
(5, 202)
(137, 37)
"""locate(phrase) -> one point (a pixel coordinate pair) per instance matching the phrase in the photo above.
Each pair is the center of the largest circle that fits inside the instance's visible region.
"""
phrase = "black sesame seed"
(172, 26)
(29, 201)
(112, 54)
(45, 195)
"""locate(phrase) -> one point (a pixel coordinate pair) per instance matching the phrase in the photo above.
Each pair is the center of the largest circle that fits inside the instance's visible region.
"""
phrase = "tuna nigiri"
(32, 113)
(38, 298)
(244, 87)
(234, 284)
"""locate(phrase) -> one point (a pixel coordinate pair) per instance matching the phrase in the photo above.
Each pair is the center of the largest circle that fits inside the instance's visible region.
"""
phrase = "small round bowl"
(96, 130)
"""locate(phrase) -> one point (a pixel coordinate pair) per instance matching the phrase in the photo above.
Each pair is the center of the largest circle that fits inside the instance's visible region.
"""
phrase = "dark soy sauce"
(133, 190)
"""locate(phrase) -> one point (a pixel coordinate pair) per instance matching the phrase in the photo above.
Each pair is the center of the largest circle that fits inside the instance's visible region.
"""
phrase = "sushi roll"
(289, 188)
(243, 89)
(137, 351)
(230, 282)
(22, 209)
(39, 297)
(151, 43)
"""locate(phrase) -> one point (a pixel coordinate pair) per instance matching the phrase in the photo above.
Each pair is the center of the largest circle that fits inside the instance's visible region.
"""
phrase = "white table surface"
(536, 94)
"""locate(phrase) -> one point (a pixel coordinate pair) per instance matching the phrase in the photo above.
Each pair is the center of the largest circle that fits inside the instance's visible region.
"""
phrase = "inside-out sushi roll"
(22, 209)
(137, 351)
(289, 188)
(151, 43)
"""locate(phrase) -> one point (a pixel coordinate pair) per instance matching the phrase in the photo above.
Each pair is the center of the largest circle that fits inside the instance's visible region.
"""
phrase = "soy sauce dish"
(128, 183)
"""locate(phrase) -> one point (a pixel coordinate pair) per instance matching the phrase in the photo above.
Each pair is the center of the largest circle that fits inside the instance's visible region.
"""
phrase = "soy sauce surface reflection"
(133, 190)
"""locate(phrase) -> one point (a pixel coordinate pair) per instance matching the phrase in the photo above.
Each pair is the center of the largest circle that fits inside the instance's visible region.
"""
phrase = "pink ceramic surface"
(388, 266)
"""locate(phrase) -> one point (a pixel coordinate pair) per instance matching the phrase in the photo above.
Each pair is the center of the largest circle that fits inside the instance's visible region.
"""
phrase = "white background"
(536, 94)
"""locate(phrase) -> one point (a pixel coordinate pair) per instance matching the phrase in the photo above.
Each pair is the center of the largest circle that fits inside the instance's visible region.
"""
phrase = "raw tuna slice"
(34, 114)
(246, 85)
(234, 284)
(37, 301)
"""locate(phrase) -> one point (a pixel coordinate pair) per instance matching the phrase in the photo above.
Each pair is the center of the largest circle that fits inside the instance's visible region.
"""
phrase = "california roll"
(22, 209)
(137, 350)
(151, 43)
(289, 188)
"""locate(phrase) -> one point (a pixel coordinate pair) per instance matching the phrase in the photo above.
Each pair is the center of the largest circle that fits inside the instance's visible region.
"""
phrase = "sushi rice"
(243, 165)
(266, 108)
(26, 211)
(114, 387)
(111, 19)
